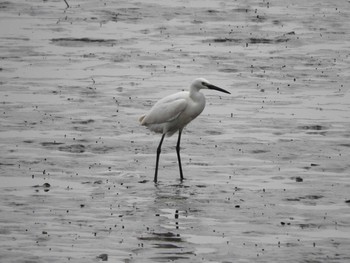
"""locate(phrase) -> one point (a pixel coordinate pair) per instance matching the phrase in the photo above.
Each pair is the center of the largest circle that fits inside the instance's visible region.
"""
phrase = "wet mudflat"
(266, 168)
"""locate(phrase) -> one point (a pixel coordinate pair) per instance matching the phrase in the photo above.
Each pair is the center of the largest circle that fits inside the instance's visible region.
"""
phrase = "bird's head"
(202, 83)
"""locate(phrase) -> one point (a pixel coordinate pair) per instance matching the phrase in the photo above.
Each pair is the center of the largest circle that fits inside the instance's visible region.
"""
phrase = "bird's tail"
(141, 119)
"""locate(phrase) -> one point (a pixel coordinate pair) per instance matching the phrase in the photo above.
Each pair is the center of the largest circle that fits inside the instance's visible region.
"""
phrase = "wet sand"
(266, 168)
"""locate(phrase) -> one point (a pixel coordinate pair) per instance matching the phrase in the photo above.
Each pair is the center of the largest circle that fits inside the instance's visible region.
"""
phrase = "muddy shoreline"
(267, 171)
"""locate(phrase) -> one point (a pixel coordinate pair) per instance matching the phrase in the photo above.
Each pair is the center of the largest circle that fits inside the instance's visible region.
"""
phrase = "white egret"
(174, 112)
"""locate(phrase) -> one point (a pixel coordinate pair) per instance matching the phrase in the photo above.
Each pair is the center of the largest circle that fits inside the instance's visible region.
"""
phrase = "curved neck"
(194, 91)
(197, 96)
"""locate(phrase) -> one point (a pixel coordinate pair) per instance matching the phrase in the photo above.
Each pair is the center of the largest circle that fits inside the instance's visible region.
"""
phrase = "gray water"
(266, 168)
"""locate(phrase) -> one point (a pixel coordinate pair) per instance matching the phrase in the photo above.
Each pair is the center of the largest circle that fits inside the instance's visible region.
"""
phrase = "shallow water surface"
(266, 168)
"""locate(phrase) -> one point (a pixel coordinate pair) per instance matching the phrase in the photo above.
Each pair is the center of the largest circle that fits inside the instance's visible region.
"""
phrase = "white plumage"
(174, 112)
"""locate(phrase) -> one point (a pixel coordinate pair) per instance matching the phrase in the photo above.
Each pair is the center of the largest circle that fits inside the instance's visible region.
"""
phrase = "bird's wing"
(165, 110)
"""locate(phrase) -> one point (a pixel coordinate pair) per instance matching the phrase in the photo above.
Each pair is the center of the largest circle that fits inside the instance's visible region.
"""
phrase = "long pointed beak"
(210, 86)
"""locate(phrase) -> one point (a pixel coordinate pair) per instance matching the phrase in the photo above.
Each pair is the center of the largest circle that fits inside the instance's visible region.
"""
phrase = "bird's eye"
(203, 83)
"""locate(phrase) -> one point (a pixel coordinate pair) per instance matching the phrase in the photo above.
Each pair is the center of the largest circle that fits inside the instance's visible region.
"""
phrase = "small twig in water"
(66, 3)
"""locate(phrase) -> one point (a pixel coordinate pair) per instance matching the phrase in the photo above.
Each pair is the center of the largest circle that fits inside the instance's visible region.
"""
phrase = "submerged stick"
(66, 3)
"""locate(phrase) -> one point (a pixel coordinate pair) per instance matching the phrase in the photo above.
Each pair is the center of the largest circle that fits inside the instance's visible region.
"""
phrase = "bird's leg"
(178, 155)
(159, 149)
